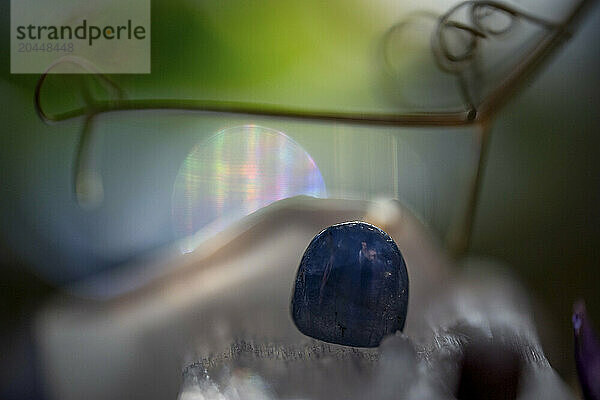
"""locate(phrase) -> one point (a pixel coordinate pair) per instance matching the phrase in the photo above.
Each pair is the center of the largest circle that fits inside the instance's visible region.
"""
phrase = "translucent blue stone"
(351, 287)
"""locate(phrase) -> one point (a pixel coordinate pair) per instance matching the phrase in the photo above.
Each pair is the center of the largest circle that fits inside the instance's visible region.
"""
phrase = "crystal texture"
(351, 287)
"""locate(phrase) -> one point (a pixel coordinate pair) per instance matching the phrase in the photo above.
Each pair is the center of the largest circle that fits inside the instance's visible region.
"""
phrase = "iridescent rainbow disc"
(236, 172)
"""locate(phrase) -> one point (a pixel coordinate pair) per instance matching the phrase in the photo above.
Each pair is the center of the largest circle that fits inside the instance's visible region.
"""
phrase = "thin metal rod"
(267, 110)
(87, 179)
(544, 49)
(460, 235)
(458, 240)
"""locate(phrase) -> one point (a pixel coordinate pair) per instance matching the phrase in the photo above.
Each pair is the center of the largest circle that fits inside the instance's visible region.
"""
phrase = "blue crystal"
(351, 287)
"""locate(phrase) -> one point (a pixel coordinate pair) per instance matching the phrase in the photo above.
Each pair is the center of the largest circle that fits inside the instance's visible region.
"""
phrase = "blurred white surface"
(235, 288)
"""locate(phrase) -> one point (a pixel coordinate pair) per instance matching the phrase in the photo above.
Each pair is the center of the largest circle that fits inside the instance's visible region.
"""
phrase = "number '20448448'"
(28, 47)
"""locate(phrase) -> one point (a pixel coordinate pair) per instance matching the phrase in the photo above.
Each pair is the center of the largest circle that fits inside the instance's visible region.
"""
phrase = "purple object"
(587, 353)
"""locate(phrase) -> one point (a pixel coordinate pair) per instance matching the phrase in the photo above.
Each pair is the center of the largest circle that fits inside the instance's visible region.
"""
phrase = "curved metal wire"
(474, 30)
(90, 102)
(452, 63)
(121, 103)
(478, 10)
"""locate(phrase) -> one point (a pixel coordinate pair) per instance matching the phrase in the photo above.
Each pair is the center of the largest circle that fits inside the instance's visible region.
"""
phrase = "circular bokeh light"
(236, 172)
